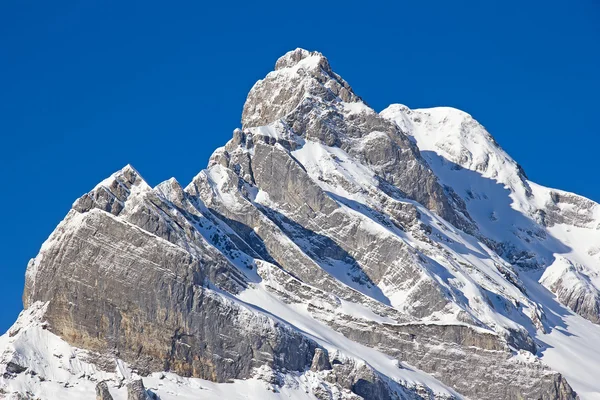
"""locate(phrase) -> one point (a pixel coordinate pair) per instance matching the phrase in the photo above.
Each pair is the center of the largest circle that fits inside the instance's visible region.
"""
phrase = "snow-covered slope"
(327, 251)
(552, 235)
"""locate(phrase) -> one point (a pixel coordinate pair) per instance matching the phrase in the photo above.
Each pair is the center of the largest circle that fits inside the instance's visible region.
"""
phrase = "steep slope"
(531, 226)
(145, 286)
(321, 254)
(551, 235)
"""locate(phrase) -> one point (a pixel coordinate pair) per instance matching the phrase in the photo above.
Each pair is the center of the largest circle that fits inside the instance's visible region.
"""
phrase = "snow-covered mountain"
(327, 252)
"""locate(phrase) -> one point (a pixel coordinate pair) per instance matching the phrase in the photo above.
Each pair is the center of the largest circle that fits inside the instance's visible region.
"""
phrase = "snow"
(321, 161)
(498, 197)
(218, 178)
(356, 107)
(505, 205)
(65, 372)
(359, 311)
(106, 183)
(572, 345)
(340, 174)
(335, 342)
(275, 130)
(310, 62)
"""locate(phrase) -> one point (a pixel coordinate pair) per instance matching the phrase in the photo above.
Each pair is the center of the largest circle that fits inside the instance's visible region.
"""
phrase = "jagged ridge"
(326, 246)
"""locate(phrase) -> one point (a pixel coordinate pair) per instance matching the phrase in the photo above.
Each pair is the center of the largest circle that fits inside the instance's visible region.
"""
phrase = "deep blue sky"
(89, 86)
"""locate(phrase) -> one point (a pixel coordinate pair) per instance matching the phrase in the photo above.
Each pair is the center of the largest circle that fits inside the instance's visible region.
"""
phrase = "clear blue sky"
(89, 86)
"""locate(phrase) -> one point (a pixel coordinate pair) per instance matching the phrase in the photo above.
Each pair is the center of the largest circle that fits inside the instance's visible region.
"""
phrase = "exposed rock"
(298, 75)
(14, 368)
(311, 99)
(137, 391)
(102, 392)
(569, 208)
(320, 361)
(111, 194)
(572, 285)
(188, 340)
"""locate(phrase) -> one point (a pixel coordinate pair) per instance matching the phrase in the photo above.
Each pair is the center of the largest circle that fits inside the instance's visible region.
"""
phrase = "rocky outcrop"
(530, 226)
(317, 104)
(137, 391)
(102, 392)
(132, 280)
(447, 351)
(298, 75)
(320, 361)
(571, 283)
(571, 209)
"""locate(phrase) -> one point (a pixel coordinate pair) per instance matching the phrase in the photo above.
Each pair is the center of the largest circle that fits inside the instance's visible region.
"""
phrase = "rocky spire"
(111, 194)
(304, 97)
(299, 75)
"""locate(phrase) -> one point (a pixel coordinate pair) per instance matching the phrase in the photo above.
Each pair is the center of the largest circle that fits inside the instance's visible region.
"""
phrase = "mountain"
(327, 252)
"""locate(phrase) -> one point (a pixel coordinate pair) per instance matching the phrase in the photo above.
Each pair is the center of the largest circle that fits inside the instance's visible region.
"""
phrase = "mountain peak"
(328, 251)
(110, 194)
(294, 57)
(300, 77)
(127, 176)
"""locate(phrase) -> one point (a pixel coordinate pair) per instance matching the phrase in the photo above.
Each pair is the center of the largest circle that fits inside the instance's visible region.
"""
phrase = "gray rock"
(456, 354)
(269, 100)
(137, 391)
(102, 392)
(15, 368)
(307, 98)
(572, 286)
(568, 208)
(320, 361)
(188, 340)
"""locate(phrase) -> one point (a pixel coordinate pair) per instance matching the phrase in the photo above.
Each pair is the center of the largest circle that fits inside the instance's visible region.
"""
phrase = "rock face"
(320, 361)
(102, 392)
(573, 287)
(327, 250)
(137, 391)
(317, 104)
(529, 225)
(151, 279)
